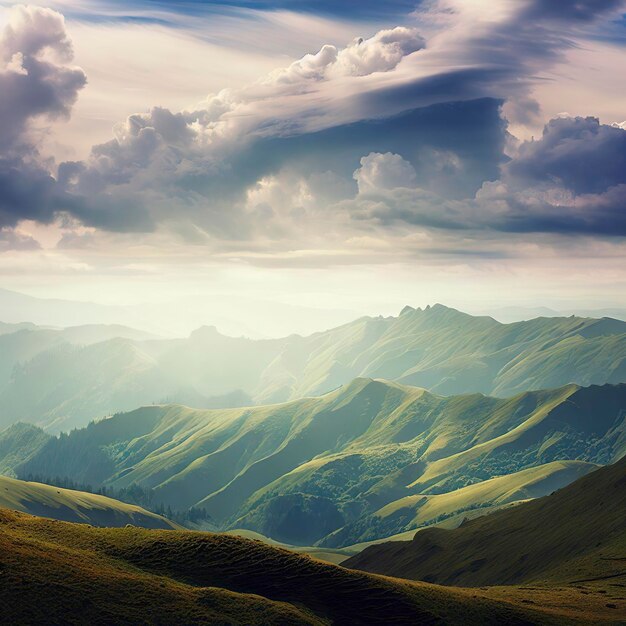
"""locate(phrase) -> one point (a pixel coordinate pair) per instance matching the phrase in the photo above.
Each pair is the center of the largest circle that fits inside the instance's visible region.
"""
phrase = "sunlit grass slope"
(55, 572)
(74, 506)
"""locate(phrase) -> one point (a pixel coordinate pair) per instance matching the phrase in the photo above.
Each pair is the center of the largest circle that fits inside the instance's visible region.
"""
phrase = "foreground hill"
(576, 535)
(57, 380)
(75, 506)
(338, 469)
(55, 572)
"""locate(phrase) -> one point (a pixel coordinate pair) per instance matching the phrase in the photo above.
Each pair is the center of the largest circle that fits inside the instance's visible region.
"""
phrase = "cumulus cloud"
(388, 130)
(579, 154)
(35, 76)
(36, 81)
(384, 171)
(161, 167)
(572, 181)
(380, 53)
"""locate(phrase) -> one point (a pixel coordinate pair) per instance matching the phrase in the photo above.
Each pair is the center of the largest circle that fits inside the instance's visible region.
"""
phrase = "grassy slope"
(119, 576)
(440, 349)
(339, 456)
(529, 483)
(75, 506)
(329, 555)
(575, 535)
(411, 512)
(19, 443)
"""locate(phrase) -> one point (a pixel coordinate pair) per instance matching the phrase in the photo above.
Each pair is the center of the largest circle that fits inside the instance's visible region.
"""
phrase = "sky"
(349, 156)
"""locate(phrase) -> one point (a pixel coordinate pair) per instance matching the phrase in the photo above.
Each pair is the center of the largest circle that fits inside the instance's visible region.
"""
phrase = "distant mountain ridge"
(48, 379)
(337, 469)
(519, 313)
(176, 316)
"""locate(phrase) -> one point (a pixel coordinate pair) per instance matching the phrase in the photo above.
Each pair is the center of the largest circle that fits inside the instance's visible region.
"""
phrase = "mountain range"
(433, 446)
(367, 461)
(64, 379)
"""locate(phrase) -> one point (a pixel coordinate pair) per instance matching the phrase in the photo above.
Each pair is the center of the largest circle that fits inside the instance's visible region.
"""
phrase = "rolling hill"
(52, 570)
(60, 381)
(410, 512)
(18, 443)
(366, 461)
(576, 535)
(75, 506)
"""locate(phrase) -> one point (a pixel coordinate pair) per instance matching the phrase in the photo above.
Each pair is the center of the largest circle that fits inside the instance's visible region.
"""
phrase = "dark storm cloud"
(579, 154)
(590, 214)
(29, 192)
(26, 192)
(32, 84)
(35, 81)
(572, 181)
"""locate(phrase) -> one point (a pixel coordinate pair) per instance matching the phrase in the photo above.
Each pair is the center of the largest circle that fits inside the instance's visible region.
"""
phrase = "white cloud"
(384, 171)
(380, 53)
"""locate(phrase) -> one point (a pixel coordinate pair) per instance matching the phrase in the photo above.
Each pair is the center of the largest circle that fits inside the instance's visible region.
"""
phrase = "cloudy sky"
(341, 155)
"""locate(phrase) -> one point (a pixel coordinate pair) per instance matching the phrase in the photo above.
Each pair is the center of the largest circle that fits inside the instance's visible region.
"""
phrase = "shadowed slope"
(120, 576)
(575, 534)
(52, 575)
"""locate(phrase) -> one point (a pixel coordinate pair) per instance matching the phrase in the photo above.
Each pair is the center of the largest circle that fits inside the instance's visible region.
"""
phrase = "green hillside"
(576, 535)
(411, 512)
(64, 379)
(52, 570)
(19, 443)
(310, 471)
(74, 506)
